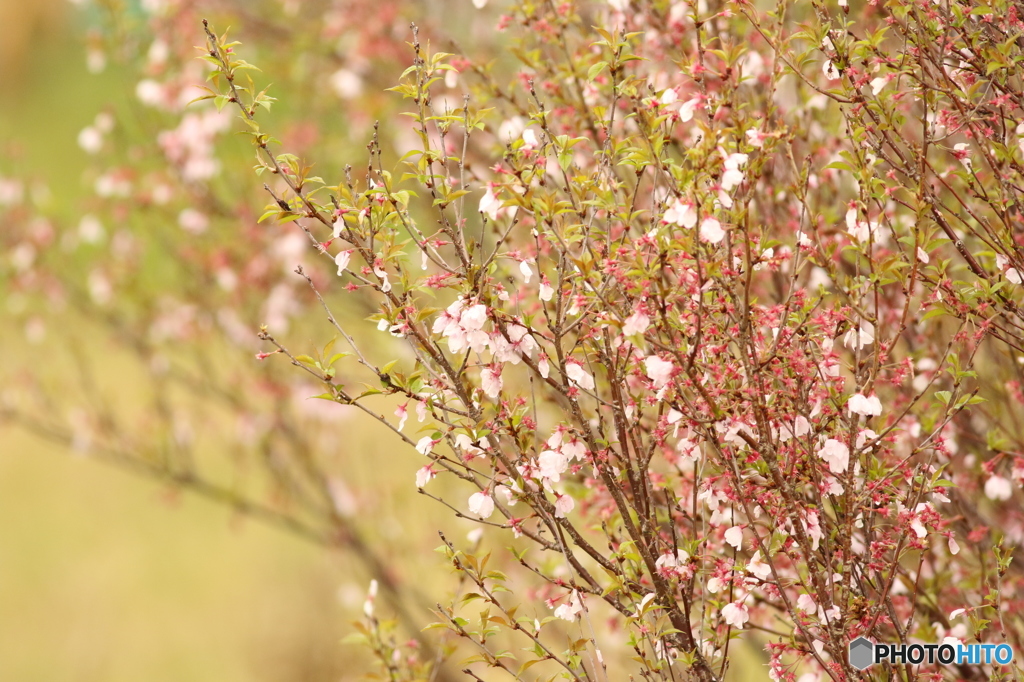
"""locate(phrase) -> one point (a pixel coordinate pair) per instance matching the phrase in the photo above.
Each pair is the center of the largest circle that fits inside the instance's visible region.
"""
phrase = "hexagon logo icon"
(862, 653)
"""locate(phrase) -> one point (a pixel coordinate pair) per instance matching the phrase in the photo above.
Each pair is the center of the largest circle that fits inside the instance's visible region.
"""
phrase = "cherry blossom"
(658, 371)
(998, 488)
(481, 504)
(868, 406)
(836, 454)
(735, 614)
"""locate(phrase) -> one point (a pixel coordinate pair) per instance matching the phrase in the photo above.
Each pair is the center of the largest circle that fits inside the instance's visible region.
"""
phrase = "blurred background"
(106, 575)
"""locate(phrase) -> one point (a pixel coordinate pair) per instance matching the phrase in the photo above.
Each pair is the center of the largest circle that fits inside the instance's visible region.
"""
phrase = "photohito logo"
(864, 653)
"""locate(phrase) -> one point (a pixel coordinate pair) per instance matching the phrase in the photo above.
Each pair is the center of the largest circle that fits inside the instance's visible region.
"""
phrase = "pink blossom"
(998, 488)
(481, 504)
(574, 370)
(758, 567)
(711, 231)
(342, 261)
(735, 614)
(473, 318)
(563, 505)
(423, 476)
(658, 371)
(490, 204)
(490, 381)
(682, 214)
(688, 108)
(864, 405)
(836, 454)
(571, 608)
(552, 464)
(425, 445)
(637, 323)
(734, 536)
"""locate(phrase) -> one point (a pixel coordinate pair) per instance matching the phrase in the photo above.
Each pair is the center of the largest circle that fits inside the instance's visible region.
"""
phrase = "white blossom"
(423, 476)
(998, 488)
(579, 376)
(635, 324)
(711, 231)
(806, 603)
(490, 204)
(563, 505)
(867, 406)
(490, 382)
(682, 214)
(734, 536)
(658, 371)
(481, 504)
(552, 464)
(342, 260)
(571, 608)
(735, 614)
(836, 454)
(758, 567)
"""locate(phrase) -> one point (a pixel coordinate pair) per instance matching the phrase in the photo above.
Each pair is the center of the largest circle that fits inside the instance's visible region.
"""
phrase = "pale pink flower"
(812, 525)
(961, 152)
(526, 270)
(530, 139)
(860, 337)
(490, 381)
(575, 449)
(637, 323)
(571, 608)
(543, 367)
(490, 204)
(954, 548)
(689, 107)
(563, 505)
(867, 406)
(806, 603)
(658, 371)
(998, 488)
(551, 465)
(668, 98)
(473, 318)
(425, 445)
(758, 567)
(734, 536)
(546, 291)
(371, 596)
(669, 560)
(342, 260)
(755, 138)
(423, 476)
(735, 614)
(481, 504)
(682, 214)
(836, 454)
(830, 70)
(711, 231)
(403, 414)
(574, 370)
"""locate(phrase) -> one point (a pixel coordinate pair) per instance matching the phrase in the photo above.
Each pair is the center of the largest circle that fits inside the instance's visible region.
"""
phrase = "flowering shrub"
(711, 313)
